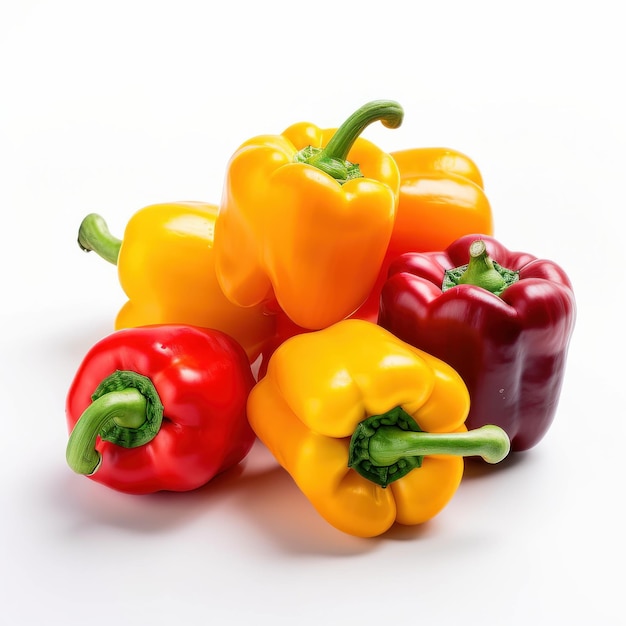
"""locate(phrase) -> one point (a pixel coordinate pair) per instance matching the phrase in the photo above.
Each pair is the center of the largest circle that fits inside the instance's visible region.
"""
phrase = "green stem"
(333, 158)
(388, 112)
(386, 447)
(94, 235)
(480, 270)
(389, 444)
(125, 410)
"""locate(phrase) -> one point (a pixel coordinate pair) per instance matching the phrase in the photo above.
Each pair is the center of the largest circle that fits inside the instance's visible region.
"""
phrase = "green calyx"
(94, 235)
(340, 169)
(360, 457)
(386, 447)
(124, 432)
(125, 410)
(333, 158)
(481, 271)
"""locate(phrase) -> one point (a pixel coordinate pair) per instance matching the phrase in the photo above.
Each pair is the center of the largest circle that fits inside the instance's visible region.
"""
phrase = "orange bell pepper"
(370, 428)
(306, 218)
(166, 267)
(441, 199)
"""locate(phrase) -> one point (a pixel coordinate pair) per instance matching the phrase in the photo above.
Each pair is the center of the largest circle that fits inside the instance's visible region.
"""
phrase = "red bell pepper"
(284, 327)
(503, 320)
(159, 408)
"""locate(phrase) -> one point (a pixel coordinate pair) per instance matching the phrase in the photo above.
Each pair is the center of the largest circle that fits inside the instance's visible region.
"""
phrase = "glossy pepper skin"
(159, 408)
(300, 227)
(442, 198)
(327, 393)
(166, 267)
(510, 349)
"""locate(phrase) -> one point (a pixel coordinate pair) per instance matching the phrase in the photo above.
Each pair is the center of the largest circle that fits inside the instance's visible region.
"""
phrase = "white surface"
(111, 106)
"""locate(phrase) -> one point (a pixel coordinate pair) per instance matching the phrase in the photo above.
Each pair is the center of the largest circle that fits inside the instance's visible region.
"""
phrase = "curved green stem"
(333, 158)
(94, 235)
(388, 112)
(389, 444)
(386, 447)
(127, 408)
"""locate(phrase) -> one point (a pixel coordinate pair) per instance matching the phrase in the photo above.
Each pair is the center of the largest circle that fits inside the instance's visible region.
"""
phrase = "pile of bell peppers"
(347, 307)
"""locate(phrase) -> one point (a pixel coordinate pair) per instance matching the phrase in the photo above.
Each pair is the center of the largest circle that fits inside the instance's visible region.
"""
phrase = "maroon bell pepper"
(502, 319)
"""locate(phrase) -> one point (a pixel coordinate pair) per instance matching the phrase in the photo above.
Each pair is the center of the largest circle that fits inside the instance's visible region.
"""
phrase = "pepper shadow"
(271, 500)
(90, 505)
(417, 532)
(478, 469)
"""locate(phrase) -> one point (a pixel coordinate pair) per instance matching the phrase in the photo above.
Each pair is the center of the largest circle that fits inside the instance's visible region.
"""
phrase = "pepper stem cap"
(386, 447)
(481, 271)
(125, 410)
(333, 159)
(94, 235)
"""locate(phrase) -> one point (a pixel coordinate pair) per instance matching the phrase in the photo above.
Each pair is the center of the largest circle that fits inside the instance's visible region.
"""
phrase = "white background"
(111, 106)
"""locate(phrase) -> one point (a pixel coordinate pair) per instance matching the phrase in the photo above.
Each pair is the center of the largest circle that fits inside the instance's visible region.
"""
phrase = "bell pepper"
(370, 428)
(502, 319)
(158, 408)
(306, 217)
(441, 199)
(166, 267)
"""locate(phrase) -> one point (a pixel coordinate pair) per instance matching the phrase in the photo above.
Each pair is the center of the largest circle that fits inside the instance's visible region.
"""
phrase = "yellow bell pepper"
(370, 428)
(306, 217)
(166, 267)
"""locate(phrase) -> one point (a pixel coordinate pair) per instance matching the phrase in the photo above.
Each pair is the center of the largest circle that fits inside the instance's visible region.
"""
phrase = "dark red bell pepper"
(159, 408)
(502, 319)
